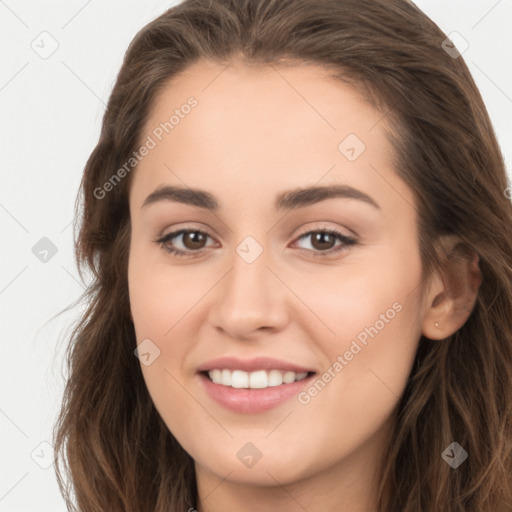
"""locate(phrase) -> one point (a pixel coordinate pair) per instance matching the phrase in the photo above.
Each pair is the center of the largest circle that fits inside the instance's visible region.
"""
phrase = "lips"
(252, 365)
(253, 385)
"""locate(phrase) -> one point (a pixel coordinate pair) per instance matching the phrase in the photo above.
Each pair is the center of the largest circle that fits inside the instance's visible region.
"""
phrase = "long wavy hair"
(114, 452)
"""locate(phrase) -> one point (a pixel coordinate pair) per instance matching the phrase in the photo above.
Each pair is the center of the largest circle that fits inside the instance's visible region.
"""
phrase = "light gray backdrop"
(59, 62)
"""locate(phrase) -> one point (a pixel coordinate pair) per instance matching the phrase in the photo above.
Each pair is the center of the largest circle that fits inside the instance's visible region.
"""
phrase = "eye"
(192, 240)
(323, 241)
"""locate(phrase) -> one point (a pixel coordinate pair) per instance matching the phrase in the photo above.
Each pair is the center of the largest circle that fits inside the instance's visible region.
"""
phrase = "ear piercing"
(437, 324)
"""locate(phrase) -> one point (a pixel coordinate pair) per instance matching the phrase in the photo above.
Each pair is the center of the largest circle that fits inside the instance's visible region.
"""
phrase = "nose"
(249, 300)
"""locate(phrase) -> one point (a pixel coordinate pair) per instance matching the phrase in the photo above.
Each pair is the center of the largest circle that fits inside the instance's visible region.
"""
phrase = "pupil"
(195, 238)
(320, 238)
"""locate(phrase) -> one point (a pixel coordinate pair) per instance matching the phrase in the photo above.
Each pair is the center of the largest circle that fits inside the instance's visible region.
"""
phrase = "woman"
(298, 223)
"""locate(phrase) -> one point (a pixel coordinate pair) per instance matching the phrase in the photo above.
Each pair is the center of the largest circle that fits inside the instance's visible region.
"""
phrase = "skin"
(257, 132)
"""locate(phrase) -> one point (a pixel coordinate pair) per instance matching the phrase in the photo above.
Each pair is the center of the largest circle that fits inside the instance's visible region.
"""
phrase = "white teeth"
(289, 377)
(254, 380)
(258, 379)
(216, 376)
(239, 379)
(225, 378)
(275, 378)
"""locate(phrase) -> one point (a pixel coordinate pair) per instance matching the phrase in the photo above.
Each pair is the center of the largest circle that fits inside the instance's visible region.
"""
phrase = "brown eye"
(193, 239)
(323, 241)
(189, 241)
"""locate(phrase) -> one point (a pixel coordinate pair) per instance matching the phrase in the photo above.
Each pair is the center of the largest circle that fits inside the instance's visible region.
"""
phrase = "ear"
(452, 290)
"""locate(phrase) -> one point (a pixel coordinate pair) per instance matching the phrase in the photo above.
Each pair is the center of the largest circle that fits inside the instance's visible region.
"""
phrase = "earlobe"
(453, 291)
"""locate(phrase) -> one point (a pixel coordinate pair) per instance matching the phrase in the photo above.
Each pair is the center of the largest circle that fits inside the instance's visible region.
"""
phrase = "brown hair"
(117, 451)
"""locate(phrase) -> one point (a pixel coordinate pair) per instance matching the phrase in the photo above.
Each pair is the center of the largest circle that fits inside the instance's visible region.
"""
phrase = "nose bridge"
(249, 297)
(249, 281)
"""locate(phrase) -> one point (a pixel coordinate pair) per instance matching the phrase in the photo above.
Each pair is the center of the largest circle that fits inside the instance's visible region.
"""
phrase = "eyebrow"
(290, 200)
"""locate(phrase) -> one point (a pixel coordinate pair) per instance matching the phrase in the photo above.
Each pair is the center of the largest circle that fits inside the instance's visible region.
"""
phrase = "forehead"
(254, 124)
(241, 95)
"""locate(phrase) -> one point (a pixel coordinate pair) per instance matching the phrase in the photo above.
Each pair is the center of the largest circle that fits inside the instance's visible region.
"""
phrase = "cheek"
(373, 298)
(160, 296)
(369, 360)
(373, 314)
(159, 301)
(165, 304)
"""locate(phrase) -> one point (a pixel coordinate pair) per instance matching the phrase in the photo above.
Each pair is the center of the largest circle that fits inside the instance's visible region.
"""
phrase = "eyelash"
(346, 242)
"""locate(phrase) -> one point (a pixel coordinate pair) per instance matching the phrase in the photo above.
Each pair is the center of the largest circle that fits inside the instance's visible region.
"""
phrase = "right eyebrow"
(290, 200)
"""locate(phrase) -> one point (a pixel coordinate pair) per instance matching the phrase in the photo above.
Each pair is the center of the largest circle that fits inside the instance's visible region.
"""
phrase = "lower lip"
(252, 401)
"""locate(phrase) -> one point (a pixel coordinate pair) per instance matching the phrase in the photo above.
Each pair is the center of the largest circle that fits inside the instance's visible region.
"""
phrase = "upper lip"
(249, 365)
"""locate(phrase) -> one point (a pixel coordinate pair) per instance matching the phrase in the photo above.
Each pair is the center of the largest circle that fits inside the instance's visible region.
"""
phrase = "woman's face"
(261, 295)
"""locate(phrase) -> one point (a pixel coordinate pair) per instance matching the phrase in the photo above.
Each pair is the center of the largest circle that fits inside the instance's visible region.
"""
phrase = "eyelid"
(323, 227)
(346, 239)
(164, 239)
(319, 226)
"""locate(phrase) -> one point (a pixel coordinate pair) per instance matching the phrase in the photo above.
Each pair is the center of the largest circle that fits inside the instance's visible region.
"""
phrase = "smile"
(259, 379)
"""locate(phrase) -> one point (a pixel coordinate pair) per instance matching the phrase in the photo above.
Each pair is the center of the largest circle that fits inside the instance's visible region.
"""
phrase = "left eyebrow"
(192, 196)
(290, 200)
(302, 197)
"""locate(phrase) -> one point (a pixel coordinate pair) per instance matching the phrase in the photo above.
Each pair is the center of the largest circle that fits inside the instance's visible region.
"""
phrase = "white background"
(50, 118)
